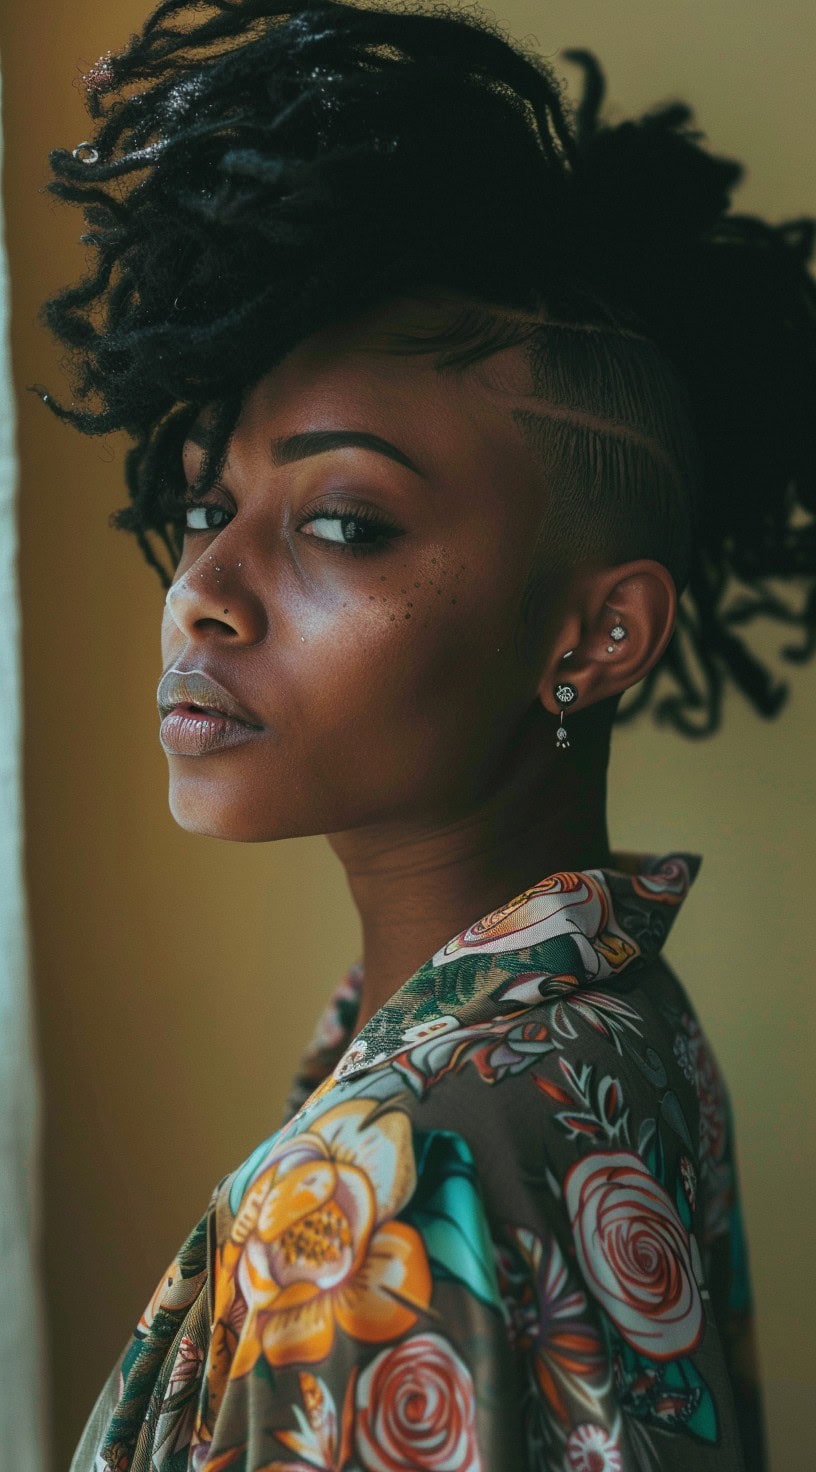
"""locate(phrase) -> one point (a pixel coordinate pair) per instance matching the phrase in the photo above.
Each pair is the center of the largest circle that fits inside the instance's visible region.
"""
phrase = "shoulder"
(524, 1094)
(527, 1090)
(579, 1065)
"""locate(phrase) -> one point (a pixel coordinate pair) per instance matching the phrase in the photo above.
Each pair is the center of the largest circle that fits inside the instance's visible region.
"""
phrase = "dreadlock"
(257, 172)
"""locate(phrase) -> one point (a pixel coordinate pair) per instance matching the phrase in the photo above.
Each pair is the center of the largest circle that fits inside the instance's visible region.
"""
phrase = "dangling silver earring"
(565, 695)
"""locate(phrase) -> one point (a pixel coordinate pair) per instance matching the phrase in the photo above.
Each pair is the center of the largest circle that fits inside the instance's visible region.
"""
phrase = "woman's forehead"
(358, 376)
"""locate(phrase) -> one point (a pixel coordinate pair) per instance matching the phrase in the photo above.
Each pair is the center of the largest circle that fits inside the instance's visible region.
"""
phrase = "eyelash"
(336, 511)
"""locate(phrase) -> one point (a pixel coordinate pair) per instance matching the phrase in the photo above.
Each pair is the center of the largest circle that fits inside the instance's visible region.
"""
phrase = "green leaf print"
(447, 1210)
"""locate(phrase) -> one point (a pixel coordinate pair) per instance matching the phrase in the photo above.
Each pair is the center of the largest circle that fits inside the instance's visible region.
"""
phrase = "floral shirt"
(499, 1230)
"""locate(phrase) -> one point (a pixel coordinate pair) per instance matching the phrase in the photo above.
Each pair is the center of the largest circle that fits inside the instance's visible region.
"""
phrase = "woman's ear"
(617, 624)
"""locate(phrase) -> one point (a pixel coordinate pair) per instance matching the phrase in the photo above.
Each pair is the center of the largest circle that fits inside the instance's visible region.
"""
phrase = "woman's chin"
(218, 809)
(210, 809)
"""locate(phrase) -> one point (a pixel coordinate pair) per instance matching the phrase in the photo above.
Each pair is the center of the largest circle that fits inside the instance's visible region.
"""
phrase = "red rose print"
(635, 1253)
(593, 1449)
(415, 1410)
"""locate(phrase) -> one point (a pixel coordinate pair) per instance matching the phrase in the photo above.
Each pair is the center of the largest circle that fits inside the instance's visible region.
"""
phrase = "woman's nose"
(214, 592)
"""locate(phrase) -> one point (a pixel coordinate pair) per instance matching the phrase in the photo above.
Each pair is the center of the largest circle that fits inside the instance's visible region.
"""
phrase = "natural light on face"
(361, 600)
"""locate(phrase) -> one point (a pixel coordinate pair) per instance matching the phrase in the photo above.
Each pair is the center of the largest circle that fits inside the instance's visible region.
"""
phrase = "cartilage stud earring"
(618, 632)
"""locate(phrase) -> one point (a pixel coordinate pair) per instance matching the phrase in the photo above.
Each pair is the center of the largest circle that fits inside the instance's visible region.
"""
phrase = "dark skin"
(408, 709)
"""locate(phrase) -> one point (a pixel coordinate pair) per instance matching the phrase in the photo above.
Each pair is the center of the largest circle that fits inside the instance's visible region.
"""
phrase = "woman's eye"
(347, 529)
(197, 516)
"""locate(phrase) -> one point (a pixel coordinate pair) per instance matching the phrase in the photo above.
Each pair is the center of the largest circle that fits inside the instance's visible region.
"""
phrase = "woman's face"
(364, 612)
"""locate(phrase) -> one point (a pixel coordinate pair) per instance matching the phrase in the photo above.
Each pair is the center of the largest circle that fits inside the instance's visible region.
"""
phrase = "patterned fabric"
(499, 1230)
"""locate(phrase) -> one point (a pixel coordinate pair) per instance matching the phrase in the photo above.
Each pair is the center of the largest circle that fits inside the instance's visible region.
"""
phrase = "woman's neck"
(416, 887)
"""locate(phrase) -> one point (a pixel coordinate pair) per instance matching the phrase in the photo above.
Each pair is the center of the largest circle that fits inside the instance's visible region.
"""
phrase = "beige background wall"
(177, 977)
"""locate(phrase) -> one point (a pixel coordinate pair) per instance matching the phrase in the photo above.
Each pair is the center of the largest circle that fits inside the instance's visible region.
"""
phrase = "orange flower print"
(314, 1244)
(549, 1323)
(324, 1438)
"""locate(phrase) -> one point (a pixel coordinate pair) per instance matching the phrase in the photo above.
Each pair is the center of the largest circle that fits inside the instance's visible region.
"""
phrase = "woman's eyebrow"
(291, 447)
(287, 448)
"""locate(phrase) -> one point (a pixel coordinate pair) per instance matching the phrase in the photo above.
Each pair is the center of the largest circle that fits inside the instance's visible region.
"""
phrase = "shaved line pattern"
(615, 429)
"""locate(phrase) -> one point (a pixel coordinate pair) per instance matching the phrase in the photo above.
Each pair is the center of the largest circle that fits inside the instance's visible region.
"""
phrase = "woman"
(441, 398)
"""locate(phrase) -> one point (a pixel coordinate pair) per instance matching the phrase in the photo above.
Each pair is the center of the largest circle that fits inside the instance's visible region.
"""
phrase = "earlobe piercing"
(565, 695)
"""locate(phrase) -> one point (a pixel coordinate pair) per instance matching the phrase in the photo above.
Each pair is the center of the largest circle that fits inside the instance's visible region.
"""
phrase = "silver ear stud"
(617, 633)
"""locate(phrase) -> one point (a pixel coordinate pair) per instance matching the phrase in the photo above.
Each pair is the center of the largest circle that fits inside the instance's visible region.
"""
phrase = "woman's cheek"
(416, 594)
(402, 598)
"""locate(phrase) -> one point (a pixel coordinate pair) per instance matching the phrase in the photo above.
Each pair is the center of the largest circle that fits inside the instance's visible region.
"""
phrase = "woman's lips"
(188, 730)
(200, 715)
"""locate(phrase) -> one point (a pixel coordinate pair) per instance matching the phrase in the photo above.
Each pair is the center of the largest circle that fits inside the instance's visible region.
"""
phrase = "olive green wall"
(178, 977)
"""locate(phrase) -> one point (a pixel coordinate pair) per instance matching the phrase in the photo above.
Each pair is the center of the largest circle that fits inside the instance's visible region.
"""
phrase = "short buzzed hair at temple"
(258, 172)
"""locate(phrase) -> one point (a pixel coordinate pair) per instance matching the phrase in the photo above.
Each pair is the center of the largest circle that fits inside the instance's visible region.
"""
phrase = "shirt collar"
(574, 928)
